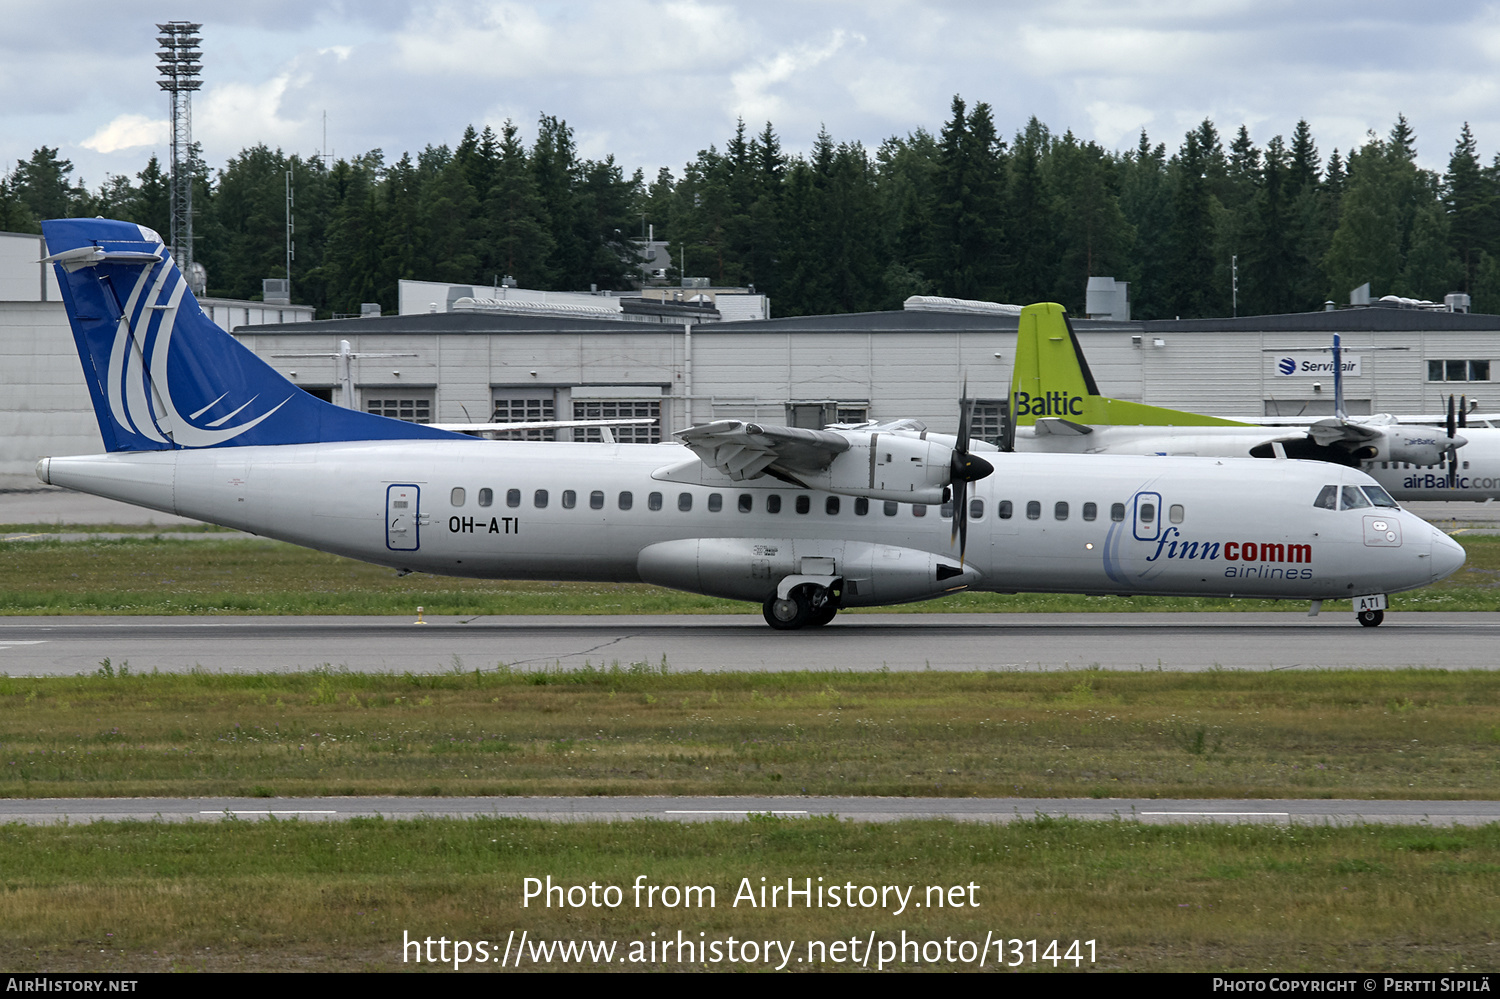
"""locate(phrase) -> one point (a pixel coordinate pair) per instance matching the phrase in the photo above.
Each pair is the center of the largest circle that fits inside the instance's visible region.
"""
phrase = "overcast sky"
(652, 82)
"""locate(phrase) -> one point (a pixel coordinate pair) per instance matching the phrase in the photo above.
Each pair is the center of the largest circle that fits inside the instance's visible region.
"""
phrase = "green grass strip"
(152, 575)
(342, 896)
(641, 729)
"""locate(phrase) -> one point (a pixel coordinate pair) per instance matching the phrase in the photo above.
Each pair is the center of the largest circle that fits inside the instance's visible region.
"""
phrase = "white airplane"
(1059, 411)
(804, 522)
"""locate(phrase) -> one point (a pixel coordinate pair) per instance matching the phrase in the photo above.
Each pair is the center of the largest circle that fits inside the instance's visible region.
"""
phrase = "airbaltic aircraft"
(1059, 411)
(802, 521)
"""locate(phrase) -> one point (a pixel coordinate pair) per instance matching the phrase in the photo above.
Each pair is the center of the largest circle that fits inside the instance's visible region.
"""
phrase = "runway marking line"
(733, 811)
(265, 811)
(1216, 813)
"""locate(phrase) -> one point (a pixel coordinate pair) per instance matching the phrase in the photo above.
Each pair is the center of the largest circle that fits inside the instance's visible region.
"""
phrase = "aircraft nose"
(1447, 555)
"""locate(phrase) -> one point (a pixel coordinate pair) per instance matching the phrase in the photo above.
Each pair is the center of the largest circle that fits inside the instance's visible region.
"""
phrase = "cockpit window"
(1328, 498)
(1379, 496)
(1353, 499)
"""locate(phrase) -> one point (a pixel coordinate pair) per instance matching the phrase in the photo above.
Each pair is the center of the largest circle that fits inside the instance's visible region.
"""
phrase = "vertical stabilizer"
(162, 376)
(1051, 378)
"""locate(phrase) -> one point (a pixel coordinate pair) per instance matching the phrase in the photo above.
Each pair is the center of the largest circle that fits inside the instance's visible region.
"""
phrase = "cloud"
(129, 131)
(752, 86)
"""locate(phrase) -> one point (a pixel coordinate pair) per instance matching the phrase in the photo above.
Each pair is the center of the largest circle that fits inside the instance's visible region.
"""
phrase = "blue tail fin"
(161, 374)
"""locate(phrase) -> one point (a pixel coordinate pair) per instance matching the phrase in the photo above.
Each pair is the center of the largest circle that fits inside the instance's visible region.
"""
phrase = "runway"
(64, 646)
(42, 811)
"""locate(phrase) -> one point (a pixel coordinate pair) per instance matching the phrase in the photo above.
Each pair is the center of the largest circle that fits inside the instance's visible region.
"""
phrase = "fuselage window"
(570, 499)
(627, 500)
(457, 496)
(1033, 510)
(1005, 510)
(861, 507)
(512, 497)
(1148, 513)
(1353, 499)
(773, 503)
(976, 509)
(486, 497)
(596, 500)
(1328, 498)
(653, 501)
(715, 502)
(1117, 512)
(539, 499)
(1175, 512)
(919, 509)
(891, 507)
(946, 511)
(1060, 511)
(804, 504)
(684, 502)
(1091, 511)
(831, 505)
(1379, 496)
(747, 503)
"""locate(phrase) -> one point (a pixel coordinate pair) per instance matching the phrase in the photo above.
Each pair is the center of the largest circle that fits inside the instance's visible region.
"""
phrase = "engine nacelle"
(888, 467)
(751, 568)
(1416, 445)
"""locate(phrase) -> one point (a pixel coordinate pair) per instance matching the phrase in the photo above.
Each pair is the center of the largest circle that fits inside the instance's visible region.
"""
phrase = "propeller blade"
(960, 531)
(965, 417)
(1463, 411)
(1452, 419)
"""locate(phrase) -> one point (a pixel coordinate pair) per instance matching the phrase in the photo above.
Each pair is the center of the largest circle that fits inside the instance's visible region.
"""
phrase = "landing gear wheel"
(1371, 619)
(788, 614)
(822, 615)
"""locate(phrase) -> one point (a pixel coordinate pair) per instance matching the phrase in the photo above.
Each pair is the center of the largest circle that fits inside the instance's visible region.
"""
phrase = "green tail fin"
(1052, 378)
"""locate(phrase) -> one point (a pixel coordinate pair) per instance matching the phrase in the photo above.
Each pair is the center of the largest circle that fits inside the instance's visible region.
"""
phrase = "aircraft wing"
(1333, 430)
(747, 450)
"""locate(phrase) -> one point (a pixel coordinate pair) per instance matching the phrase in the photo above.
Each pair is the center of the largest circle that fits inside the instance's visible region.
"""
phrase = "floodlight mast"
(179, 61)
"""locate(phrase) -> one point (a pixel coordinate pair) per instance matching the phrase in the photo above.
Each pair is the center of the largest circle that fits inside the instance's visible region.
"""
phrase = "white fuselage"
(1477, 478)
(521, 510)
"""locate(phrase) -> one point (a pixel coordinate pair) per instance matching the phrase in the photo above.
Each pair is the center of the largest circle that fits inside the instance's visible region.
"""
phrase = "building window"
(1458, 371)
(620, 409)
(524, 409)
(985, 423)
(412, 407)
(816, 415)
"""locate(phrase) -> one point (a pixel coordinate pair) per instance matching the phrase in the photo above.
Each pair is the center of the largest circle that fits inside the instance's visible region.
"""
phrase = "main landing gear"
(1371, 618)
(802, 607)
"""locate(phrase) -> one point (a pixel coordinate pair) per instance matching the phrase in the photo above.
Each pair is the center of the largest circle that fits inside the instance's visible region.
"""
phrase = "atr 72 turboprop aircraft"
(802, 521)
(1059, 411)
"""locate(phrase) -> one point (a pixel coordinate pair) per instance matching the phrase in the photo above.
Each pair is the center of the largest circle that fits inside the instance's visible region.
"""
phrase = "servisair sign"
(1295, 365)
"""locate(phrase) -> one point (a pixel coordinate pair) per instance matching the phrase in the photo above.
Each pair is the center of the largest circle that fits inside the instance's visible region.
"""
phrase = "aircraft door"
(403, 518)
(1147, 513)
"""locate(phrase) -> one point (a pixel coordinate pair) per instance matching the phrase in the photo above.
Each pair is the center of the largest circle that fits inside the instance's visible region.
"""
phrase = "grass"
(641, 729)
(151, 575)
(232, 896)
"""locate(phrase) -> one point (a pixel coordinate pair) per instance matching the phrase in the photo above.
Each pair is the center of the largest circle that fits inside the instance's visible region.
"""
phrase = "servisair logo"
(138, 385)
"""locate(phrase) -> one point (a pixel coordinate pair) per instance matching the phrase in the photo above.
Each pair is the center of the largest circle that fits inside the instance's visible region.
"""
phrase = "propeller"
(1450, 454)
(964, 468)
